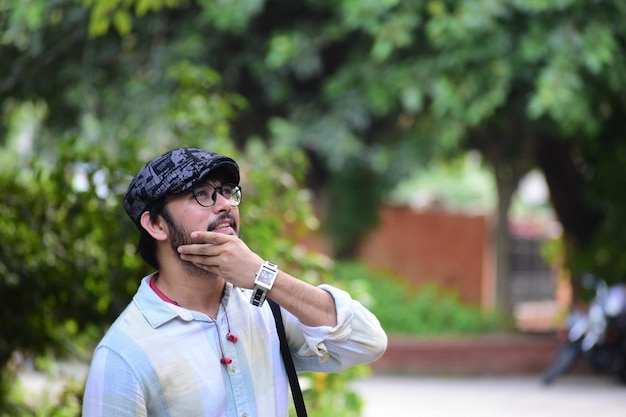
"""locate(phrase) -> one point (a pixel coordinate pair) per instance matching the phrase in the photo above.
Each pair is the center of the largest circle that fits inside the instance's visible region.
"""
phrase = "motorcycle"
(597, 334)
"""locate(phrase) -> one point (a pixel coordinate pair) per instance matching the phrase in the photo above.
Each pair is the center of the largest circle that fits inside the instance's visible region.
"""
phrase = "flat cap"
(173, 173)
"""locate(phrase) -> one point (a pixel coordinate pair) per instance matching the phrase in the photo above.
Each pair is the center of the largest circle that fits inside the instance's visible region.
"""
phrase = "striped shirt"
(159, 359)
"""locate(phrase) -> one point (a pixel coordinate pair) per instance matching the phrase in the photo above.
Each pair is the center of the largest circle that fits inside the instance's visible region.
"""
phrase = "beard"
(180, 236)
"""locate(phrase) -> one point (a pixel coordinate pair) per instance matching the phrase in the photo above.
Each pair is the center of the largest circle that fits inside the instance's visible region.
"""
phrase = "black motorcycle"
(597, 334)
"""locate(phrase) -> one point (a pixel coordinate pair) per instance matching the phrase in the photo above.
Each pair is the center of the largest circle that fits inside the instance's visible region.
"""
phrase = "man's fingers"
(198, 249)
(210, 237)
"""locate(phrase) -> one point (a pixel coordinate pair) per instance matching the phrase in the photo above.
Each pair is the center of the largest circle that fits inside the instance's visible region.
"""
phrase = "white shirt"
(159, 359)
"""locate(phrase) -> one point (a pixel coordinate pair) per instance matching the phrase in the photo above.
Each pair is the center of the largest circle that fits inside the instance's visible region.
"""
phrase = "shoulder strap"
(288, 361)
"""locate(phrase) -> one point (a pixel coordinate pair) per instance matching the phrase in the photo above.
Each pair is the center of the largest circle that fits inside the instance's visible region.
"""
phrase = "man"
(198, 338)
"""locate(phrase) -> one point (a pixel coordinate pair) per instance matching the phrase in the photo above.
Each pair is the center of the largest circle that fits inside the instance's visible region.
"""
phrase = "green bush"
(406, 310)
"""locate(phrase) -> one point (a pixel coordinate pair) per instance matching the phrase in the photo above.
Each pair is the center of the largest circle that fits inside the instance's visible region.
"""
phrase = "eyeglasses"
(206, 194)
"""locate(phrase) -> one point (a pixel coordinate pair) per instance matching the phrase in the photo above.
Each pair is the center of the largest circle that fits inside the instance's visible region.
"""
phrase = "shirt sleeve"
(357, 338)
(111, 389)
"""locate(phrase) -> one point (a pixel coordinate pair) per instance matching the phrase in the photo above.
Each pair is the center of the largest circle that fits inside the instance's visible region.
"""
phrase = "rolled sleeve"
(357, 338)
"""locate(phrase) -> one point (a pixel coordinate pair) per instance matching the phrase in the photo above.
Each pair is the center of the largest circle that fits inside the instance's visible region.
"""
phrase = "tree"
(369, 90)
(67, 260)
(379, 87)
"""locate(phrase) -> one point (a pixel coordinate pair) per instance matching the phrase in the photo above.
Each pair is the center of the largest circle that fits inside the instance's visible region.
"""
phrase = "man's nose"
(221, 203)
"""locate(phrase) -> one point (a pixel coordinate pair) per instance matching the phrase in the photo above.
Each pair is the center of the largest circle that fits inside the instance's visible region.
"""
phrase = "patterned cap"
(173, 173)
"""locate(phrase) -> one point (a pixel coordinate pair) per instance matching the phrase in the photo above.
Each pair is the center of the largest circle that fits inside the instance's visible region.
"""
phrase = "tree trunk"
(562, 169)
(509, 150)
(502, 242)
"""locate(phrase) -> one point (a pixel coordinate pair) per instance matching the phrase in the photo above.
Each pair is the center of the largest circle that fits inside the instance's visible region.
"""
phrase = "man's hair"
(147, 244)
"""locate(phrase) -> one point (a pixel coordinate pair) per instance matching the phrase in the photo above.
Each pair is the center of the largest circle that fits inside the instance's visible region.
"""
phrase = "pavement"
(423, 395)
(511, 396)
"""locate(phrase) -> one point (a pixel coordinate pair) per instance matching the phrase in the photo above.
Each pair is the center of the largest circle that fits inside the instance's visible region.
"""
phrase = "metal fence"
(531, 278)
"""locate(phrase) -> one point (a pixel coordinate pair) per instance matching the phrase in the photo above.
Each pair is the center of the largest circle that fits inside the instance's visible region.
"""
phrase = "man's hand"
(230, 258)
(224, 255)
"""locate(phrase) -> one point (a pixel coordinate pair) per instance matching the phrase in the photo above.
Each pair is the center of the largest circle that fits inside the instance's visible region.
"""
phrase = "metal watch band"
(263, 282)
(258, 296)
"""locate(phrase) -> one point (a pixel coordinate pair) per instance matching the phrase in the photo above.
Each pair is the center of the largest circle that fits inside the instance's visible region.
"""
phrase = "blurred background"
(458, 166)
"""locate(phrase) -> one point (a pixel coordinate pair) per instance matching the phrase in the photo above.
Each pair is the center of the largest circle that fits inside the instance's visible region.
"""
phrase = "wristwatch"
(263, 282)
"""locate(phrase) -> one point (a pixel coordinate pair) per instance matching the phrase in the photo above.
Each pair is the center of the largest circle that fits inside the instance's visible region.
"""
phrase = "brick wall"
(479, 355)
(451, 250)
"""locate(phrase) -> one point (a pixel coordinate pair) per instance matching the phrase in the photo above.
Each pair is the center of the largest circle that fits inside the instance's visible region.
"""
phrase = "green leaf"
(122, 21)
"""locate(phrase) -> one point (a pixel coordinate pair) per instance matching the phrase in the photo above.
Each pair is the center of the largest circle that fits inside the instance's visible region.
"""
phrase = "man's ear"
(156, 229)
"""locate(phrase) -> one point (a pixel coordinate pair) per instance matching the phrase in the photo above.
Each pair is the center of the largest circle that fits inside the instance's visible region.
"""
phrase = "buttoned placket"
(240, 389)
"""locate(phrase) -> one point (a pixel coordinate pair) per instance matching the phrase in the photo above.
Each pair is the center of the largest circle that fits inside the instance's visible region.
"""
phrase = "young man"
(198, 338)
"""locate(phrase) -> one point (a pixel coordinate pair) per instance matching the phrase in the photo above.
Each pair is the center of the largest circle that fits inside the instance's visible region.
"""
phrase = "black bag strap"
(296, 392)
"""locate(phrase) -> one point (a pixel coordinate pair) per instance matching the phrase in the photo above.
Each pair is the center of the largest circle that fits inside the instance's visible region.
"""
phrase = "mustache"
(221, 219)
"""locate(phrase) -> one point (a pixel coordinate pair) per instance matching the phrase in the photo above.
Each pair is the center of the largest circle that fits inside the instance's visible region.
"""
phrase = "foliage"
(58, 250)
(354, 196)
(65, 265)
(50, 403)
(329, 394)
(84, 274)
(368, 91)
(382, 88)
(402, 309)
(462, 183)
(603, 255)
(67, 260)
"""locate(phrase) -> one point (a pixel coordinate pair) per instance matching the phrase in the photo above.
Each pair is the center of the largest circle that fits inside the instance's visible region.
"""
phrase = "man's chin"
(196, 271)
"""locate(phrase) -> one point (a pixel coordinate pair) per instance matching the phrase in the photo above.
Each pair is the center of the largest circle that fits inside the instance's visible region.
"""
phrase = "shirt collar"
(158, 312)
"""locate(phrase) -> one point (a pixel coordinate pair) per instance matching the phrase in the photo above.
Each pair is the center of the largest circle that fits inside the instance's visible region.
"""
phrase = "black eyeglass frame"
(235, 196)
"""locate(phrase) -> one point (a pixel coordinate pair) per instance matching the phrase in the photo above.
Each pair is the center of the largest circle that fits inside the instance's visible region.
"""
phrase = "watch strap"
(263, 282)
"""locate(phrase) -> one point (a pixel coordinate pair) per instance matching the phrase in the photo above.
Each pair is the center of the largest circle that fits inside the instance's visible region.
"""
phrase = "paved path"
(570, 396)
(388, 395)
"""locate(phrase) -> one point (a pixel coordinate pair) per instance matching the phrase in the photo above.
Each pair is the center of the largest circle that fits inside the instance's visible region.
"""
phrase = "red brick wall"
(479, 355)
(422, 247)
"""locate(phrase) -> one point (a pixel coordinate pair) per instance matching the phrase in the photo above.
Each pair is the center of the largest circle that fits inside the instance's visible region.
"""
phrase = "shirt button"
(244, 414)
(233, 369)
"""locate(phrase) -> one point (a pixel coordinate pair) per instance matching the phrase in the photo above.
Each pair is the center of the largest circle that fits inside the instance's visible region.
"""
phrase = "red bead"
(226, 361)
(233, 338)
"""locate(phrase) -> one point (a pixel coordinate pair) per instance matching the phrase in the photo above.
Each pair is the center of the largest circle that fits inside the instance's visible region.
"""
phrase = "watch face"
(265, 277)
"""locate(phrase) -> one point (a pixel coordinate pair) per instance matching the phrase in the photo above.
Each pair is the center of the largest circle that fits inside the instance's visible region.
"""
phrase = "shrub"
(405, 309)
